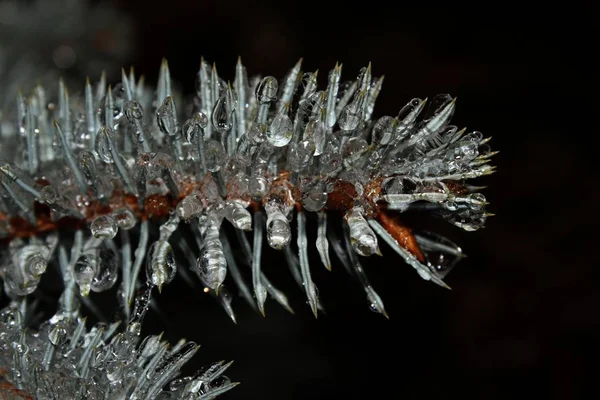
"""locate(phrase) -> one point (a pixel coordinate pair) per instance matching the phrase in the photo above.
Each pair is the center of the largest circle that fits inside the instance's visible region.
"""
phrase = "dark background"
(522, 318)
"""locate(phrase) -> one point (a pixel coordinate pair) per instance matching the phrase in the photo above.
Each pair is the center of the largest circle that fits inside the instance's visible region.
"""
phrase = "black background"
(522, 318)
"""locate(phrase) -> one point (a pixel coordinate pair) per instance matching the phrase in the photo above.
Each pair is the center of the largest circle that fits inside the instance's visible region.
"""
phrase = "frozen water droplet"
(262, 155)
(373, 307)
(125, 218)
(440, 253)
(436, 105)
(331, 162)
(300, 154)
(87, 163)
(201, 119)
(49, 195)
(28, 265)
(362, 237)
(221, 115)
(451, 206)
(215, 155)
(189, 130)
(359, 187)
(177, 384)
(106, 271)
(219, 382)
(32, 259)
(409, 108)
(134, 110)
(161, 266)
(84, 271)
(258, 187)
(351, 115)
(353, 151)
(315, 198)
(383, 130)
(189, 207)
(10, 316)
(212, 266)
(103, 144)
(279, 233)
(166, 117)
(104, 227)
(281, 129)
(118, 95)
(257, 133)
(393, 185)
(58, 334)
(266, 91)
(315, 132)
(238, 215)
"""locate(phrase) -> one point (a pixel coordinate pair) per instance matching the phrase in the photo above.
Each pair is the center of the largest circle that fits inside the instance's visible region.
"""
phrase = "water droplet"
(166, 117)
(134, 110)
(212, 267)
(383, 130)
(221, 115)
(87, 163)
(84, 271)
(257, 133)
(300, 154)
(177, 384)
(114, 372)
(451, 206)
(393, 185)
(58, 334)
(374, 307)
(407, 117)
(331, 162)
(351, 115)
(353, 151)
(219, 382)
(118, 95)
(201, 119)
(125, 218)
(436, 105)
(215, 155)
(262, 155)
(161, 266)
(315, 198)
(28, 264)
(189, 130)
(359, 187)
(281, 129)
(362, 237)
(103, 144)
(10, 316)
(49, 195)
(440, 253)
(106, 272)
(315, 132)
(104, 227)
(189, 207)
(238, 215)
(36, 265)
(258, 187)
(279, 233)
(266, 91)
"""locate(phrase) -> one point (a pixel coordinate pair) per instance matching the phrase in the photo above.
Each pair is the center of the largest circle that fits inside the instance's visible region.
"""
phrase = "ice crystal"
(253, 154)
